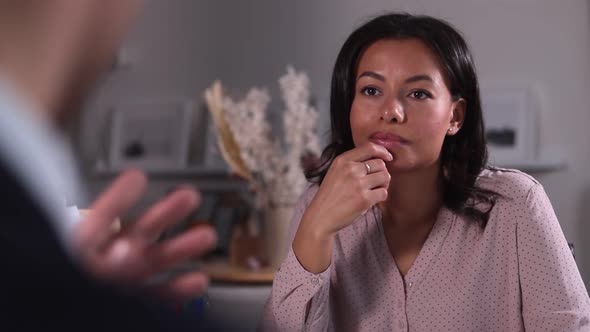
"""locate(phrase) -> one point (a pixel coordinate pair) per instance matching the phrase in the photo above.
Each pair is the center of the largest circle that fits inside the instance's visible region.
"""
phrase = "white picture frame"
(153, 135)
(510, 125)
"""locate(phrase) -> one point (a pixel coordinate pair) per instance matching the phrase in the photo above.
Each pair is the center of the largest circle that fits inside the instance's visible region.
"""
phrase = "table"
(237, 294)
(222, 271)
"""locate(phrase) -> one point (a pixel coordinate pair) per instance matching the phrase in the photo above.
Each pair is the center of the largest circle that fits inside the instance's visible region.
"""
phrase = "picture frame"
(153, 135)
(510, 125)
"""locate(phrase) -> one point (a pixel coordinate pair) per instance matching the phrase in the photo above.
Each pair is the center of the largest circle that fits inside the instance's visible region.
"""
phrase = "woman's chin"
(397, 166)
(400, 164)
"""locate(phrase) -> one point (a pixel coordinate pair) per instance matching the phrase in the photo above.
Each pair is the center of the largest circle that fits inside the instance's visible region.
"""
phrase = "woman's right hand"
(356, 180)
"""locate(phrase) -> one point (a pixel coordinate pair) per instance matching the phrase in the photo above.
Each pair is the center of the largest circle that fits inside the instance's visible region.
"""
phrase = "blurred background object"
(272, 163)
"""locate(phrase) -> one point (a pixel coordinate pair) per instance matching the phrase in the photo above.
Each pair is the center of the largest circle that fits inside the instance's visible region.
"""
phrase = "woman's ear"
(457, 116)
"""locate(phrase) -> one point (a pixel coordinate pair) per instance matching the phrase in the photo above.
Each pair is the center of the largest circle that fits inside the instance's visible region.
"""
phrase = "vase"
(276, 224)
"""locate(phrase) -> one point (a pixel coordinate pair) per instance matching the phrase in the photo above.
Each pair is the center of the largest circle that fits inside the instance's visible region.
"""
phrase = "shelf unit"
(205, 178)
(194, 171)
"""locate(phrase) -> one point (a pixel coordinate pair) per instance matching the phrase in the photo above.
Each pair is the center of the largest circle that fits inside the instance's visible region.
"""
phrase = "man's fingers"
(132, 258)
(166, 213)
(117, 199)
(192, 243)
(121, 195)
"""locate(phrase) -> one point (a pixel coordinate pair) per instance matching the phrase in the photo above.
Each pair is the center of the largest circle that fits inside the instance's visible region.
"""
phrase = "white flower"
(276, 163)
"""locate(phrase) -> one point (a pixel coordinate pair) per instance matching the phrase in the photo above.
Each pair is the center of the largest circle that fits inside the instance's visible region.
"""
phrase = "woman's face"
(402, 101)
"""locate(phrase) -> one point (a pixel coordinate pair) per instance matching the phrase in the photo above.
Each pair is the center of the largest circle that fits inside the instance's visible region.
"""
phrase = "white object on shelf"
(510, 116)
(151, 134)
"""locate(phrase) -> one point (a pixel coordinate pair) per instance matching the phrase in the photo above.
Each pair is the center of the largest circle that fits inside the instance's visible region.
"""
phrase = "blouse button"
(410, 284)
(315, 281)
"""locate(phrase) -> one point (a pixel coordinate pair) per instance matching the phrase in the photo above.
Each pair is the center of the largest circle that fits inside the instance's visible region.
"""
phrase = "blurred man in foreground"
(86, 278)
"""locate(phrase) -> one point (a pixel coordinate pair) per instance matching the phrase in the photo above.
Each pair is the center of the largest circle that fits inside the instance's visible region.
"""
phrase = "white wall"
(185, 44)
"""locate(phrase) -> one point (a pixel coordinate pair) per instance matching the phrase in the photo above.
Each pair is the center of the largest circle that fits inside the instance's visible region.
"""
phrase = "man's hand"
(131, 256)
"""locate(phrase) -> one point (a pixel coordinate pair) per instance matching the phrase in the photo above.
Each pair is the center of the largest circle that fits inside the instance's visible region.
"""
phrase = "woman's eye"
(369, 91)
(420, 95)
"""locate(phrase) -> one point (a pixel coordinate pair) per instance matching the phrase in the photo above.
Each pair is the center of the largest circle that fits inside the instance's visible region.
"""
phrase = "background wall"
(183, 45)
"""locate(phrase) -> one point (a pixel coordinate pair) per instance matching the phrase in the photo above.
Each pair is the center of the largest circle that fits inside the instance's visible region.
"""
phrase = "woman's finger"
(366, 152)
(373, 166)
(377, 195)
(376, 180)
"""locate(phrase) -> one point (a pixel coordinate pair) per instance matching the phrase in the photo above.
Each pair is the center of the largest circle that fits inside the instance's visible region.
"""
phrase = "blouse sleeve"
(553, 294)
(299, 298)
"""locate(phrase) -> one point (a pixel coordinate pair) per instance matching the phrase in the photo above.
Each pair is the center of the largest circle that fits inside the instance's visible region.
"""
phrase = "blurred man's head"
(54, 50)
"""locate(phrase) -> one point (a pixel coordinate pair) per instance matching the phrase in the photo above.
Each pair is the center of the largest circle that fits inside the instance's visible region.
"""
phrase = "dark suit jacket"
(42, 290)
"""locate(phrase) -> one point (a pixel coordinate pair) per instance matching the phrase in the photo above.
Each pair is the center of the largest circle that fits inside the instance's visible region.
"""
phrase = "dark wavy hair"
(463, 155)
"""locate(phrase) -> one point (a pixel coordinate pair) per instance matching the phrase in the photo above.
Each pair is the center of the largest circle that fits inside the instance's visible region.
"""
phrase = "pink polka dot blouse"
(516, 274)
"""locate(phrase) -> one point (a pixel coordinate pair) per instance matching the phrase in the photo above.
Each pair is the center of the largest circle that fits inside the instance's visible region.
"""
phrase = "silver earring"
(450, 130)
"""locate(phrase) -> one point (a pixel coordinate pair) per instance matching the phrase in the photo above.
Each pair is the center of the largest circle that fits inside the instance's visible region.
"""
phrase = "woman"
(406, 228)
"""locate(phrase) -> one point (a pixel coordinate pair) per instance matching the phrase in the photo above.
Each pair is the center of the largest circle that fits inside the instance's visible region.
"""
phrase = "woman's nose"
(393, 111)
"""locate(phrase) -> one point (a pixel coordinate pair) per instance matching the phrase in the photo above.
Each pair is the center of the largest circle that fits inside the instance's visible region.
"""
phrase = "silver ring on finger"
(368, 167)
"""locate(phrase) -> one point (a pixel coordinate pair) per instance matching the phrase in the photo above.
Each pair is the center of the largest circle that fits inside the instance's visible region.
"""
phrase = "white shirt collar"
(41, 157)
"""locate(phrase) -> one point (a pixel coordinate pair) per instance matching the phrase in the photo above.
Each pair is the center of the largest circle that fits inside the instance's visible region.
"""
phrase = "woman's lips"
(387, 140)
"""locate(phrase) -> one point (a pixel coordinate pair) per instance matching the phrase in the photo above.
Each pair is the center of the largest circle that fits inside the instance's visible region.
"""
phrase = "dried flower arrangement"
(273, 166)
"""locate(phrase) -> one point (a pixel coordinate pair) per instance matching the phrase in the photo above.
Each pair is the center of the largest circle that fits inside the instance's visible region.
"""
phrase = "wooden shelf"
(180, 172)
(206, 179)
(222, 271)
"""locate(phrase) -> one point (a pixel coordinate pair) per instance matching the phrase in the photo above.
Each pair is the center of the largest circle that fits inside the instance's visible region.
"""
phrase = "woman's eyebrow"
(373, 75)
(415, 78)
(422, 77)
